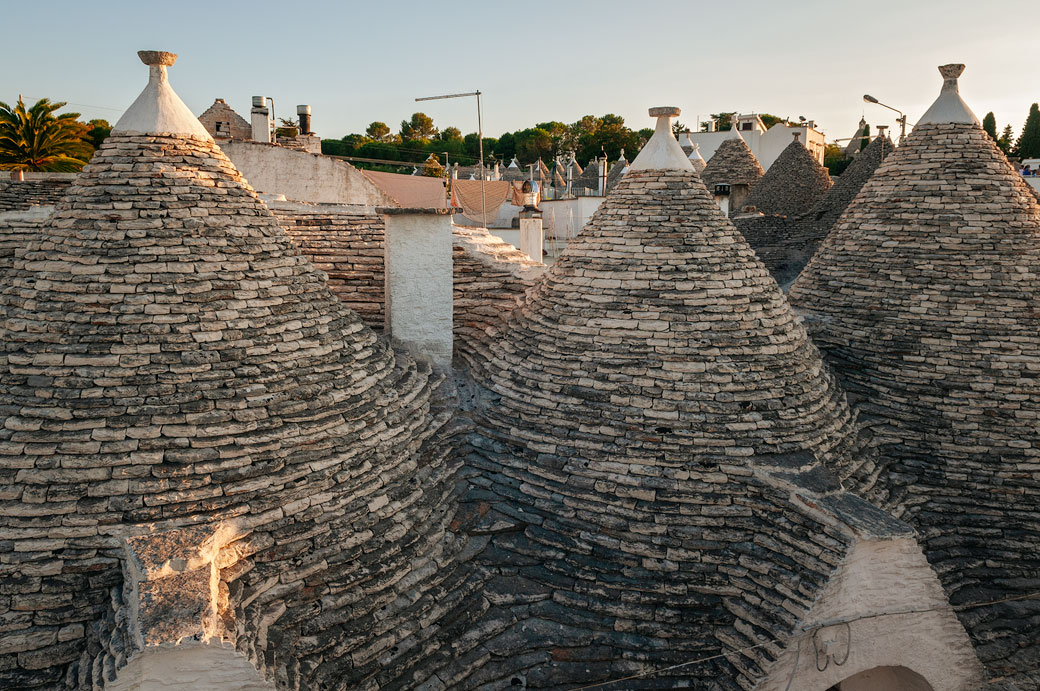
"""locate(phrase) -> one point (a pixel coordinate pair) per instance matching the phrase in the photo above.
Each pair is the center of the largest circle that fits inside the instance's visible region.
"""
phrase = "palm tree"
(37, 140)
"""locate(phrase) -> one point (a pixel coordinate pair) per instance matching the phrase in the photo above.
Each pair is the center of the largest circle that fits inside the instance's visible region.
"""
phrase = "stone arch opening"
(884, 679)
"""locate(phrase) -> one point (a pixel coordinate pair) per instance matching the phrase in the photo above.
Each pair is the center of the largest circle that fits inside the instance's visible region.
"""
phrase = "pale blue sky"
(355, 62)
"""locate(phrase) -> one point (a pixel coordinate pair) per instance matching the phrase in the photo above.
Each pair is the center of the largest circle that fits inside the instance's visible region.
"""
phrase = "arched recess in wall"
(884, 679)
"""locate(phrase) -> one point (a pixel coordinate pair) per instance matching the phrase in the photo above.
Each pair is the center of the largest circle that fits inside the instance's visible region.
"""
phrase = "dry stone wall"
(19, 195)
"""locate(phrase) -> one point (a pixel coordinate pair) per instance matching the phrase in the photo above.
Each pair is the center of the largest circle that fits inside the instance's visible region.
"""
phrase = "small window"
(721, 190)
(746, 126)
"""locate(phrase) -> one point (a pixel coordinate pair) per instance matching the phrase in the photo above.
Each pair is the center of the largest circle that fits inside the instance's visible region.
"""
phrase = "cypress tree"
(989, 123)
(1006, 141)
(866, 138)
(1028, 145)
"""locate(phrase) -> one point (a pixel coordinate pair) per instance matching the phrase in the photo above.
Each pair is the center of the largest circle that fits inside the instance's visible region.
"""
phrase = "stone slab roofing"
(176, 376)
(923, 298)
(793, 184)
(644, 420)
(732, 164)
(812, 227)
(19, 195)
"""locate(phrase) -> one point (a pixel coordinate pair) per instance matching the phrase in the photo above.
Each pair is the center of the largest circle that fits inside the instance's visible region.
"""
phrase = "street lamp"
(480, 143)
(901, 119)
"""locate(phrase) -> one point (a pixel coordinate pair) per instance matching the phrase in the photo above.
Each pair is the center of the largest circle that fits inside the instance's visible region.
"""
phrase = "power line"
(83, 105)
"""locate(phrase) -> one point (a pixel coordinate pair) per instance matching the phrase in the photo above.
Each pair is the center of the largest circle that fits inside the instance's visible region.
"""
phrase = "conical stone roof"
(792, 185)
(168, 358)
(632, 401)
(732, 164)
(811, 228)
(924, 297)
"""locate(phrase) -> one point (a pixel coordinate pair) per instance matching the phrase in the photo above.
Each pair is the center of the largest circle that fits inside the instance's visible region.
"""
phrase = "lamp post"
(480, 143)
(901, 119)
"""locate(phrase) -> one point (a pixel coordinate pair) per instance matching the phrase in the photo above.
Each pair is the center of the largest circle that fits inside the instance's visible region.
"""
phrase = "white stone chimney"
(419, 282)
(260, 118)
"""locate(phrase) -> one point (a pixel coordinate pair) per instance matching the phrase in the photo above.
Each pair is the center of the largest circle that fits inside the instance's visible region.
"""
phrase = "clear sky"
(355, 62)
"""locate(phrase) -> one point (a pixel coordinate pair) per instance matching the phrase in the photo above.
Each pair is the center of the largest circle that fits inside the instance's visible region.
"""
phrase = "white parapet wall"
(564, 218)
(419, 282)
(302, 176)
(531, 237)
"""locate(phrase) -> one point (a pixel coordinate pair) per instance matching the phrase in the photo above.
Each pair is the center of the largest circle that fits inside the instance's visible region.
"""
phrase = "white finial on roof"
(734, 130)
(695, 155)
(796, 136)
(662, 152)
(159, 109)
(949, 107)
(622, 156)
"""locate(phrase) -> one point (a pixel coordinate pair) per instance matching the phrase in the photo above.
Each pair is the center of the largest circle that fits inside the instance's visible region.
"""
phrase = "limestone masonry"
(637, 471)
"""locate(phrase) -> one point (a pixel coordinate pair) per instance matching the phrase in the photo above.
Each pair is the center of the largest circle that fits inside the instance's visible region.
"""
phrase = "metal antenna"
(480, 143)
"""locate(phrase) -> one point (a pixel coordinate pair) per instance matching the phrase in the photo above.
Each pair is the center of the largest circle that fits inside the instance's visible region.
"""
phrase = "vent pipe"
(304, 113)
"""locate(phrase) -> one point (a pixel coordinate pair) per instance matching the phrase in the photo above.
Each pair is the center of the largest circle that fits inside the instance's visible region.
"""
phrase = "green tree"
(433, 167)
(418, 129)
(723, 121)
(989, 123)
(379, 131)
(559, 136)
(769, 120)
(866, 138)
(35, 139)
(834, 159)
(289, 128)
(97, 132)
(1006, 141)
(532, 144)
(1028, 145)
(450, 134)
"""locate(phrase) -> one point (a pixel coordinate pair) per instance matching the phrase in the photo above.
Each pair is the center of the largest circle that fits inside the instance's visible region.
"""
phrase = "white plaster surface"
(531, 238)
(260, 124)
(302, 176)
(881, 576)
(566, 217)
(662, 152)
(949, 107)
(1034, 182)
(160, 110)
(189, 667)
(767, 145)
(419, 285)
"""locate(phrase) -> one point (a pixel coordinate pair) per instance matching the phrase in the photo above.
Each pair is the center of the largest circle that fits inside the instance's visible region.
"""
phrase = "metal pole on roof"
(480, 142)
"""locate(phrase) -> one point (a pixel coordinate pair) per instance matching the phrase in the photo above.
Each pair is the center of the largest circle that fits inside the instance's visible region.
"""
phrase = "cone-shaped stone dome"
(732, 164)
(634, 403)
(791, 186)
(814, 226)
(169, 358)
(924, 297)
